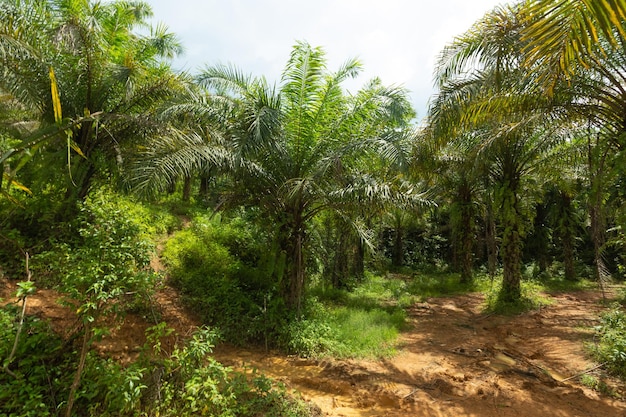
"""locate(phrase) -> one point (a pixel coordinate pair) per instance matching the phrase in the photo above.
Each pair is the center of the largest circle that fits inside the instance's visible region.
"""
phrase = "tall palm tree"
(488, 104)
(293, 151)
(106, 78)
(583, 43)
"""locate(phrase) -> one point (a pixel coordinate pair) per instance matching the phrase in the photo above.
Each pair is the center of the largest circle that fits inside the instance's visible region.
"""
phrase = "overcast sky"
(396, 40)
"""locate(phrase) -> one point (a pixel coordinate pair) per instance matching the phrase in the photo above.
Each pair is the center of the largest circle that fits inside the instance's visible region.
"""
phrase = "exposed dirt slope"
(454, 361)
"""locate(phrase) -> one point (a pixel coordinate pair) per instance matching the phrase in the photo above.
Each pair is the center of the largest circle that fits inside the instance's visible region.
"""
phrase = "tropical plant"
(488, 105)
(93, 80)
(292, 151)
(582, 43)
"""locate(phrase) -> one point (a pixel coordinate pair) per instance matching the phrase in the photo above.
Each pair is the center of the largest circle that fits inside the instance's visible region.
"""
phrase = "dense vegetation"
(283, 210)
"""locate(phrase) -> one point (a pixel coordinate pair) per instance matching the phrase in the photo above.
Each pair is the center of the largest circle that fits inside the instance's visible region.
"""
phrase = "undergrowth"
(610, 341)
(532, 298)
(182, 383)
(363, 322)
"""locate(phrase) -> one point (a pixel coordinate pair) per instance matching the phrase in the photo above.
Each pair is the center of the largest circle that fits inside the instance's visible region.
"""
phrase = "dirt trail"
(457, 362)
(453, 361)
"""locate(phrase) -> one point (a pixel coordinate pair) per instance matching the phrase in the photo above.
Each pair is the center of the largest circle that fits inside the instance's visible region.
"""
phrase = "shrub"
(610, 347)
(41, 367)
(189, 382)
(531, 298)
(224, 274)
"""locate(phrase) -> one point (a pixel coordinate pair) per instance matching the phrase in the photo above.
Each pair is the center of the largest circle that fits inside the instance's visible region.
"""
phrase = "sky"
(396, 40)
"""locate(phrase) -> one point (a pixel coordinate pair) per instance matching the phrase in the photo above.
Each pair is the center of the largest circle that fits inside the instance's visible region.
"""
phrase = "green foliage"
(104, 267)
(597, 383)
(364, 322)
(425, 285)
(42, 367)
(189, 382)
(610, 346)
(531, 298)
(225, 273)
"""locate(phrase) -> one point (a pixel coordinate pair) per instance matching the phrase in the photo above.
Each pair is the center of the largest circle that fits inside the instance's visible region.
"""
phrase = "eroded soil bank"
(453, 360)
(456, 361)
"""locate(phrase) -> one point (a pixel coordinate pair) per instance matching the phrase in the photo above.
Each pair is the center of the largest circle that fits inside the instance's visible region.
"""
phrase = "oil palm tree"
(293, 151)
(106, 78)
(488, 105)
(583, 43)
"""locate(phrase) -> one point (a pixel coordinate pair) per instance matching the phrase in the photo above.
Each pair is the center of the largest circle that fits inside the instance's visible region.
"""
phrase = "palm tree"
(293, 151)
(582, 42)
(488, 105)
(106, 79)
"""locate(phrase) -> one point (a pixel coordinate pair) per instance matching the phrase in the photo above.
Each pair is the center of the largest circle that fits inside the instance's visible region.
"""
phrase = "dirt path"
(453, 361)
(456, 362)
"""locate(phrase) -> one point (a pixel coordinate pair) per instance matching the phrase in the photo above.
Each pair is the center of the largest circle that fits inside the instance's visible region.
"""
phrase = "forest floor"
(453, 360)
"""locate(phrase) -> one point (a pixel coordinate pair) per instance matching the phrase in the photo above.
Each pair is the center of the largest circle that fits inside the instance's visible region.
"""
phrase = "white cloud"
(397, 40)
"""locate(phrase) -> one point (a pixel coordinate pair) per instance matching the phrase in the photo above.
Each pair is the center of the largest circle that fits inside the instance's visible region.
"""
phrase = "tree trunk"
(467, 261)
(203, 191)
(358, 263)
(340, 259)
(490, 239)
(541, 237)
(293, 286)
(465, 233)
(567, 236)
(397, 251)
(187, 189)
(511, 244)
(596, 172)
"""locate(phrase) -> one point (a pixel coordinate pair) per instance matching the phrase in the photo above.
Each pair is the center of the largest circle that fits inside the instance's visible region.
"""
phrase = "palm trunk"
(295, 274)
(292, 245)
(203, 191)
(187, 189)
(490, 239)
(595, 209)
(397, 252)
(340, 259)
(541, 237)
(567, 237)
(511, 244)
(467, 261)
(465, 233)
(358, 264)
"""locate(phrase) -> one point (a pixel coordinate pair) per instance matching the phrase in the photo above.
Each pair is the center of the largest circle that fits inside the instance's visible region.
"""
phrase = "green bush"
(104, 264)
(224, 273)
(192, 383)
(610, 347)
(531, 299)
(189, 382)
(42, 368)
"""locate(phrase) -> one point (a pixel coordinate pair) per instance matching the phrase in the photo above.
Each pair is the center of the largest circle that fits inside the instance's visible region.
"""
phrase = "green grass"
(362, 323)
(610, 341)
(439, 285)
(364, 333)
(557, 284)
(533, 297)
(345, 331)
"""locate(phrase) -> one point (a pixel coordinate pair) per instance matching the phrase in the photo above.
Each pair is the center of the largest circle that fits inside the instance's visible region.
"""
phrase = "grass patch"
(532, 298)
(362, 323)
(439, 285)
(366, 333)
(345, 332)
(556, 284)
(610, 345)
